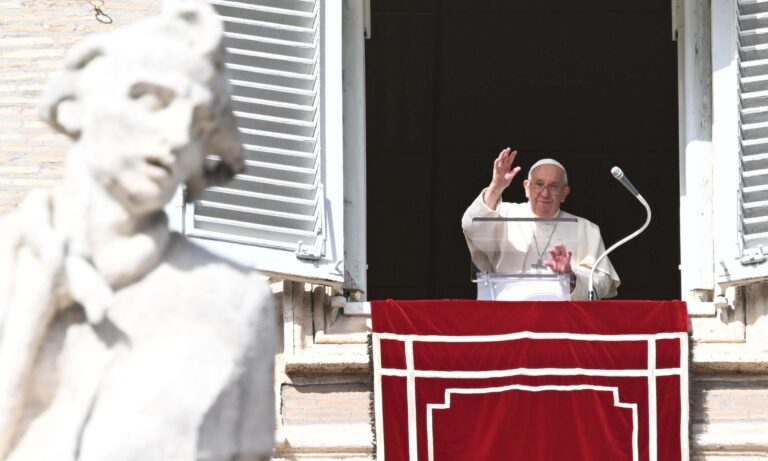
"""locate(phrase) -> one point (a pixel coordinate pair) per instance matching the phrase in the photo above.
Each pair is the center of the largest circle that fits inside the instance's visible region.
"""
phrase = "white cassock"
(516, 249)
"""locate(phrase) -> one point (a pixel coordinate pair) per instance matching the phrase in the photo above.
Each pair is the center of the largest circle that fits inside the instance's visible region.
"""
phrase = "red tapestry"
(481, 380)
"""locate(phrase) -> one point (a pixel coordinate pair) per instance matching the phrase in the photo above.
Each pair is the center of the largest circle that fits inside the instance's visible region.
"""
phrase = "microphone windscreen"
(617, 173)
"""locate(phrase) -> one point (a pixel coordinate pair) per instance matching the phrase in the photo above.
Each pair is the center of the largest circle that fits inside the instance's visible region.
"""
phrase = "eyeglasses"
(553, 189)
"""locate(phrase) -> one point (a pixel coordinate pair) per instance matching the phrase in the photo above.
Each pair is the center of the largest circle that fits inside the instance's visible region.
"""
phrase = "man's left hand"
(561, 262)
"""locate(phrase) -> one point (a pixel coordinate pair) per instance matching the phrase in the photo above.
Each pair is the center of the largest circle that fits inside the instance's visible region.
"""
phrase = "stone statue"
(121, 340)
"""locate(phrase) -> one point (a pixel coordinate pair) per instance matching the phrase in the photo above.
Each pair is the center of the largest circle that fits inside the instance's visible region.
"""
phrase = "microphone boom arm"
(592, 294)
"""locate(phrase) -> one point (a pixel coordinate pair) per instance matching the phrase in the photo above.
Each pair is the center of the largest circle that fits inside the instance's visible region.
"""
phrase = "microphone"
(619, 175)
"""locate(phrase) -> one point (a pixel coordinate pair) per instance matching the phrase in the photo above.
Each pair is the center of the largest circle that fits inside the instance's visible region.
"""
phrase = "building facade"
(298, 213)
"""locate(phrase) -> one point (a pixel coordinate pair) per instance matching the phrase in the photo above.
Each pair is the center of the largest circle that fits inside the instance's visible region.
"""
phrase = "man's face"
(546, 190)
(145, 125)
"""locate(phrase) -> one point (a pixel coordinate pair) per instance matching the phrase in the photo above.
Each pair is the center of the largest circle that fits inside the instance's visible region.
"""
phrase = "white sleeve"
(589, 247)
(603, 284)
(478, 209)
(483, 240)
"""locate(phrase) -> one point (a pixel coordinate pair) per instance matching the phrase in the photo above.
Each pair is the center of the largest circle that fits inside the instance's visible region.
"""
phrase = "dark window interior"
(450, 83)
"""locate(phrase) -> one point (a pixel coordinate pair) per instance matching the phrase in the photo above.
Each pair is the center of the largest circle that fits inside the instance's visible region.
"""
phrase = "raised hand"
(503, 174)
(561, 262)
(561, 259)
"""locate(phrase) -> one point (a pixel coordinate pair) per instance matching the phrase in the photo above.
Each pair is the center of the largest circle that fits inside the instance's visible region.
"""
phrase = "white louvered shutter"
(743, 248)
(753, 70)
(284, 213)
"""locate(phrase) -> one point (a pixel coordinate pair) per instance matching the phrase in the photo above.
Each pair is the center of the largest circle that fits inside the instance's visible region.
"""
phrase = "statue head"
(145, 105)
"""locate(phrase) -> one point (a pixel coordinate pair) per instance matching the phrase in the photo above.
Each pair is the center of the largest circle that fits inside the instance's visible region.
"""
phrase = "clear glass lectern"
(510, 258)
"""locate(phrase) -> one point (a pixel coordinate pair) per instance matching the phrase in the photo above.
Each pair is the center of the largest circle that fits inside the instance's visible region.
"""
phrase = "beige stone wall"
(729, 380)
(323, 379)
(34, 34)
(729, 416)
(323, 386)
(343, 400)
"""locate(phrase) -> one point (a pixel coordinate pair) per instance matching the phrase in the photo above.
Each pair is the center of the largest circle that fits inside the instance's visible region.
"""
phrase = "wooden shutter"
(740, 90)
(280, 215)
(753, 120)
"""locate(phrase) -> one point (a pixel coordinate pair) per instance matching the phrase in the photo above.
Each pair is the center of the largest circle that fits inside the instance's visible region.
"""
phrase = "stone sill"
(349, 440)
(695, 309)
(733, 358)
(318, 362)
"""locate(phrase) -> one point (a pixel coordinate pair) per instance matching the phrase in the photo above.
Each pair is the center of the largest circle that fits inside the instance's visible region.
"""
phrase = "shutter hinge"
(350, 303)
(367, 19)
(676, 13)
(317, 251)
(310, 253)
